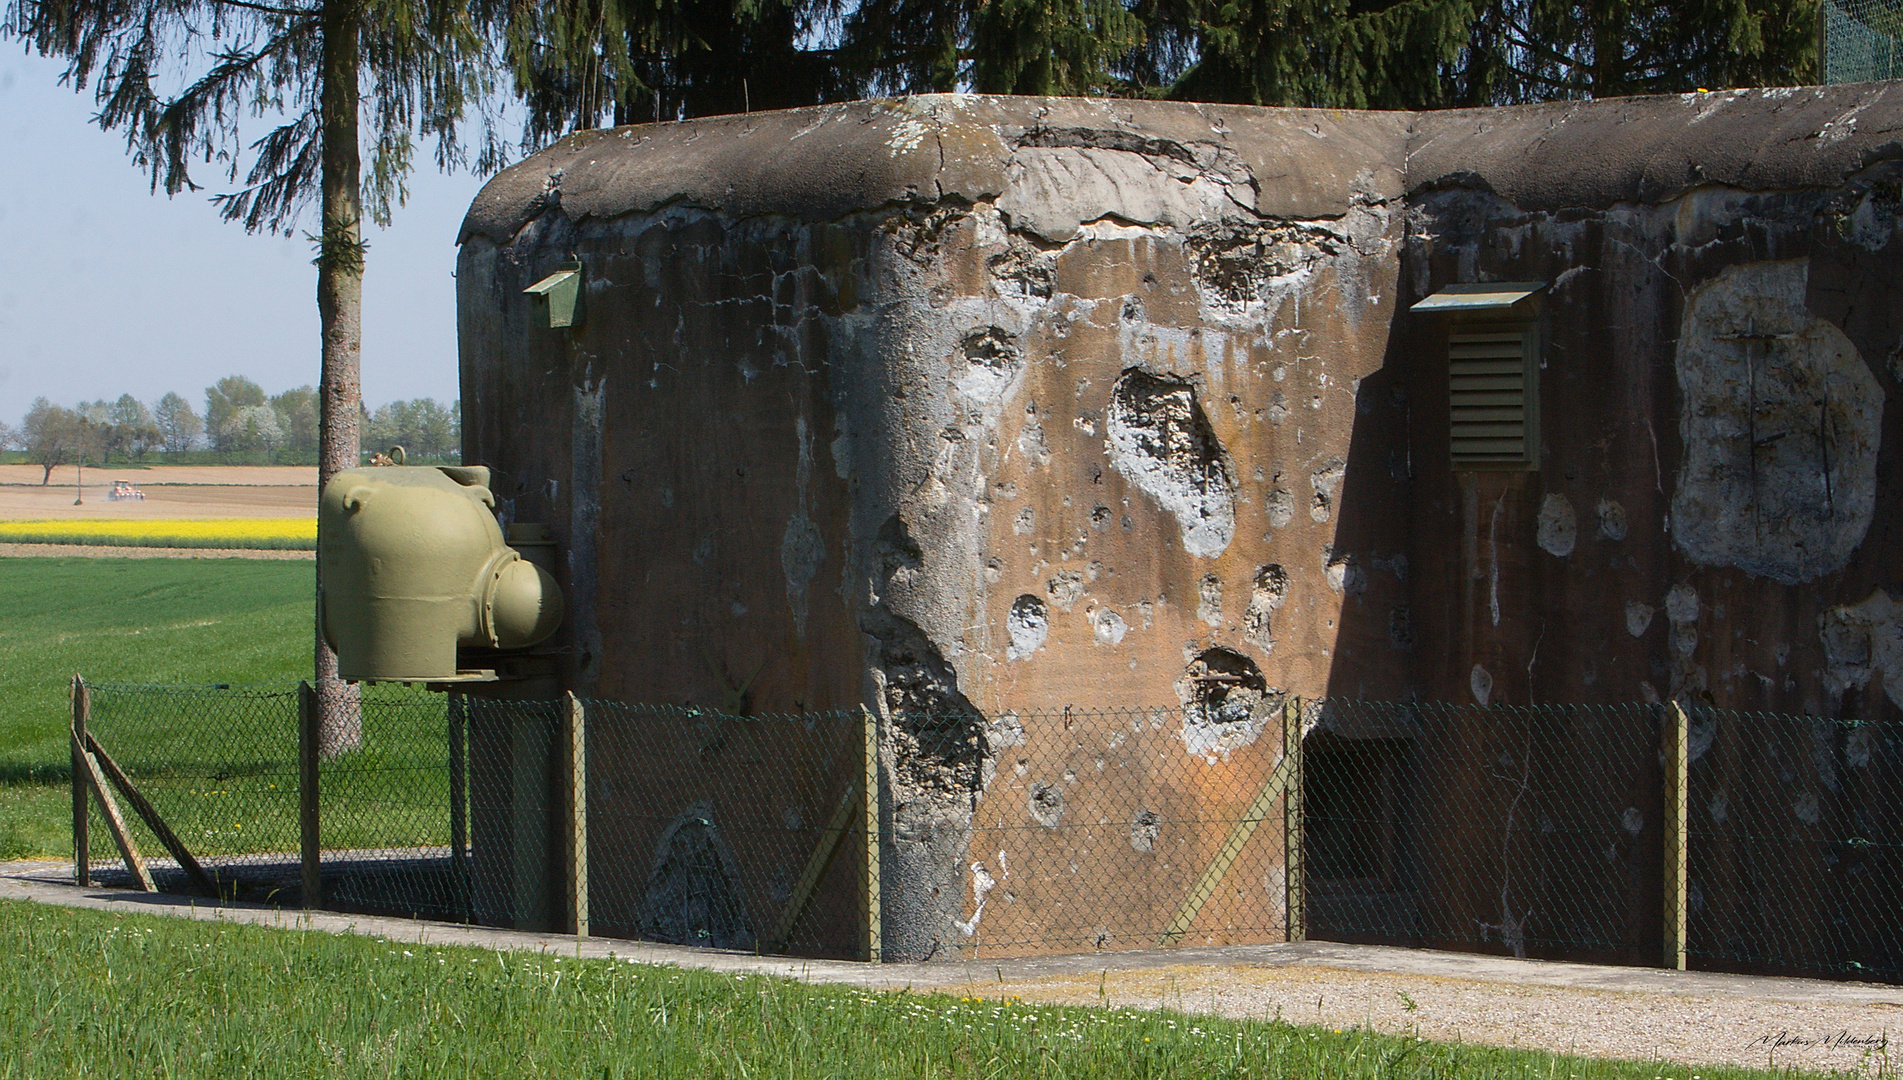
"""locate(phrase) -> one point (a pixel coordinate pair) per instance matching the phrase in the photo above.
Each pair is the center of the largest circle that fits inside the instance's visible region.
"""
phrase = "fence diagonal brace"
(150, 815)
(129, 851)
(815, 866)
(1232, 848)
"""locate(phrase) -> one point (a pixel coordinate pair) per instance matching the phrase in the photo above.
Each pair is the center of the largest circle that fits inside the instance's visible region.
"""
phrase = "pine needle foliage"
(583, 62)
(580, 63)
(1330, 53)
(993, 46)
(1413, 54)
(1545, 49)
(189, 82)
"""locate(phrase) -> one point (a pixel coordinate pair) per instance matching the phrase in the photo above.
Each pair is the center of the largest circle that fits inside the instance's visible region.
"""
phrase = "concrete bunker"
(966, 409)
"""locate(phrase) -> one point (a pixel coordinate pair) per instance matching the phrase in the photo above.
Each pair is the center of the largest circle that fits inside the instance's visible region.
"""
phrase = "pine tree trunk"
(340, 309)
(1608, 48)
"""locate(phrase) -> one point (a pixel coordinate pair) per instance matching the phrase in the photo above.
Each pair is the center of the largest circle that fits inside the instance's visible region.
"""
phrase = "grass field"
(91, 994)
(277, 534)
(126, 621)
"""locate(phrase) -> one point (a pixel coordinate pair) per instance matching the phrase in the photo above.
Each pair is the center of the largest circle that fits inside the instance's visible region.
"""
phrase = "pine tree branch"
(281, 180)
(172, 131)
(267, 9)
(1521, 41)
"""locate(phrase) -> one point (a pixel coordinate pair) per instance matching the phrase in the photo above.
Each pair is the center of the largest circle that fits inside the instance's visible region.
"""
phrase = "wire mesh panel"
(515, 845)
(220, 766)
(730, 831)
(385, 812)
(1795, 831)
(1129, 829)
(1550, 831)
(1860, 40)
(1524, 831)
(701, 828)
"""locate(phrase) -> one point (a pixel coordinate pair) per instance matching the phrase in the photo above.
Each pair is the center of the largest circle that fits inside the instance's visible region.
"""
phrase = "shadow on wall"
(1443, 823)
(1364, 873)
(1696, 531)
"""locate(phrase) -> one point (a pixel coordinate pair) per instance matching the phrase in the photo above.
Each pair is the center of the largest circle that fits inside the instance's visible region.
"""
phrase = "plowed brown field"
(184, 491)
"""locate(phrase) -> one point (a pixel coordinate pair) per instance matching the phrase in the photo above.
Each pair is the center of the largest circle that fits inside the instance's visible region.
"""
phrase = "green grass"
(269, 534)
(92, 994)
(171, 621)
(35, 820)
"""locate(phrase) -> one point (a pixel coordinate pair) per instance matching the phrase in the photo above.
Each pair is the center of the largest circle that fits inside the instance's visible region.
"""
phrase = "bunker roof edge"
(824, 162)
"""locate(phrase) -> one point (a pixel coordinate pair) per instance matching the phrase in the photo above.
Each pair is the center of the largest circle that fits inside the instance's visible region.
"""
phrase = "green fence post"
(576, 736)
(309, 842)
(82, 843)
(1677, 806)
(459, 784)
(1295, 899)
(875, 918)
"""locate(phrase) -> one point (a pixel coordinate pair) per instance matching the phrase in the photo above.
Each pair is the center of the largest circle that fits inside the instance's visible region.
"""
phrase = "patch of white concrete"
(1780, 422)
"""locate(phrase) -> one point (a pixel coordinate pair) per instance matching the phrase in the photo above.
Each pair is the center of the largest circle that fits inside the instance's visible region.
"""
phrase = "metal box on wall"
(413, 565)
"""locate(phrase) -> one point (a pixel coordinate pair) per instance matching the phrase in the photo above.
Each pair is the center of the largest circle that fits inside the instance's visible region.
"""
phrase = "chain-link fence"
(219, 767)
(1552, 831)
(1860, 40)
(1795, 845)
(1132, 829)
(1527, 831)
(219, 764)
(699, 828)
(1572, 832)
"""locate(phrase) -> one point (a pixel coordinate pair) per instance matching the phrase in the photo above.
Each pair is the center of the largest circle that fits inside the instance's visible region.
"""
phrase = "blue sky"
(107, 289)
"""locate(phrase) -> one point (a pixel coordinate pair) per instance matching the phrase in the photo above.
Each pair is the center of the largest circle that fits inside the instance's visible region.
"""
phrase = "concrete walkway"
(1693, 1017)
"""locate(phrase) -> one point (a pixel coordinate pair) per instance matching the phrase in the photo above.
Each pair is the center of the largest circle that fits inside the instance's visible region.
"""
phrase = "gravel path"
(1693, 1030)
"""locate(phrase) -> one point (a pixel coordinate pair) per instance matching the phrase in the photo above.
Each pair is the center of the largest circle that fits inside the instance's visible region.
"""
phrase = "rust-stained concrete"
(997, 406)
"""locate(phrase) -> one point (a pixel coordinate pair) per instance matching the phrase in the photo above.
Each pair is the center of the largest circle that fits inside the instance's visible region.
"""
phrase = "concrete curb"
(40, 882)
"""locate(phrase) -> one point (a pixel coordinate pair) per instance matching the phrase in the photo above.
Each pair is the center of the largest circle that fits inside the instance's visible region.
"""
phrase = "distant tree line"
(240, 424)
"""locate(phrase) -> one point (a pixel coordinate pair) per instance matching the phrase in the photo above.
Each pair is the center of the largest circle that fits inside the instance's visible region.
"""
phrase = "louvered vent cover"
(1493, 390)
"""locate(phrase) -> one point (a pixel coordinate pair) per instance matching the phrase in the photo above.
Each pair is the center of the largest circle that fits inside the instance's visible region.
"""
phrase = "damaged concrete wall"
(1780, 421)
(987, 407)
(1179, 394)
(1714, 513)
(1712, 480)
(962, 406)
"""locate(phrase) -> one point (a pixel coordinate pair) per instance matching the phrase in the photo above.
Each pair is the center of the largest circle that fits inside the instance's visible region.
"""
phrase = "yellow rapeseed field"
(278, 533)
